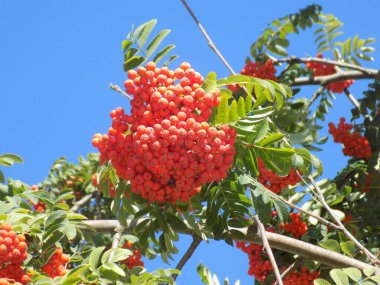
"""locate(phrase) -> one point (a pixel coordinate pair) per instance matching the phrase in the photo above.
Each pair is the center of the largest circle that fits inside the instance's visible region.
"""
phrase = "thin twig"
(193, 246)
(81, 202)
(293, 60)
(322, 220)
(372, 257)
(118, 89)
(209, 41)
(352, 98)
(315, 96)
(290, 268)
(268, 250)
(116, 240)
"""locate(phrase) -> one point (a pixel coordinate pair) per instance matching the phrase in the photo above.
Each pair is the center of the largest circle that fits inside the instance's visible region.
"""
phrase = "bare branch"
(116, 239)
(339, 76)
(293, 60)
(290, 268)
(315, 96)
(322, 220)
(277, 241)
(372, 257)
(81, 202)
(118, 89)
(268, 249)
(209, 41)
(193, 246)
(352, 99)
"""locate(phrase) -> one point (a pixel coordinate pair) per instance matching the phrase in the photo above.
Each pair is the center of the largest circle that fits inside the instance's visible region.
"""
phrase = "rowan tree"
(232, 159)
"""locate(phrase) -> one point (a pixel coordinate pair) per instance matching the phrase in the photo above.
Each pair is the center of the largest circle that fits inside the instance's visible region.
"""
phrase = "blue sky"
(58, 57)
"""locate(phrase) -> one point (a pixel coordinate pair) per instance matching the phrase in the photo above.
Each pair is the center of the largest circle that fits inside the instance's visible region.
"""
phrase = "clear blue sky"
(58, 57)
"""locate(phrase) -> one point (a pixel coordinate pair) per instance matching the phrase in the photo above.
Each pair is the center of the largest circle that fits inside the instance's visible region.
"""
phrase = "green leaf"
(282, 210)
(2, 178)
(271, 139)
(262, 129)
(223, 116)
(56, 236)
(153, 45)
(251, 163)
(162, 53)
(331, 244)
(320, 281)
(133, 62)
(248, 103)
(125, 45)
(376, 278)
(368, 271)
(233, 113)
(339, 277)
(118, 254)
(210, 82)
(94, 257)
(241, 107)
(348, 247)
(114, 268)
(354, 273)
(142, 33)
(14, 157)
(70, 231)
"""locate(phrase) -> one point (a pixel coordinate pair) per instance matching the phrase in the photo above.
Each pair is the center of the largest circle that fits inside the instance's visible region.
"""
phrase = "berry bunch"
(274, 182)
(321, 69)
(56, 264)
(296, 227)
(256, 69)
(304, 277)
(354, 143)
(165, 147)
(263, 71)
(133, 260)
(259, 265)
(12, 253)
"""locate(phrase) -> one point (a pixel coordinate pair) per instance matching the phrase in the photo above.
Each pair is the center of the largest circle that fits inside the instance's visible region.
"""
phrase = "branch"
(193, 246)
(118, 89)
(290, 268)
(277, 241)
(268, 249)
(81, 202)
(116, 239)
(345, 231)
(293, 60)
(322, 220)
(209, 41)
(339, 76)
(315, 96)
(352, 99)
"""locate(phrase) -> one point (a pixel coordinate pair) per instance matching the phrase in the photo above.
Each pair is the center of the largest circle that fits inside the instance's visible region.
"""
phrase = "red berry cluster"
(263, 71)
(259, 264)
(256, 69)
(297, 227)
(39, 206)
(321, 69)
(12, 253)
(56, 264)
(304, 277)
(274, 182)
(133, 260)
(170, 150)
(354, 143)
